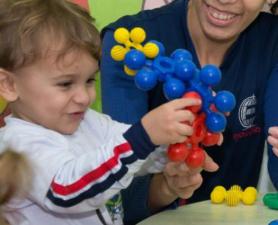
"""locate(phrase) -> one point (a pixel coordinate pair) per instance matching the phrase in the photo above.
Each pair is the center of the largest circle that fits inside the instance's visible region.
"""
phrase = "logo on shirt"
(247, 115)
(247, 111)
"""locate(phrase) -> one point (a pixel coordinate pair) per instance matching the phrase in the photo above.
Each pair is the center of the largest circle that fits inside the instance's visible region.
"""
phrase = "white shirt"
(74, 175)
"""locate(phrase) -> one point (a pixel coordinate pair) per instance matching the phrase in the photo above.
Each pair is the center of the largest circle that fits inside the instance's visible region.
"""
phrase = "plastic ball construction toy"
(234, 195)
(181, 78)
(232, 198)
(218, 195)
(249, 196)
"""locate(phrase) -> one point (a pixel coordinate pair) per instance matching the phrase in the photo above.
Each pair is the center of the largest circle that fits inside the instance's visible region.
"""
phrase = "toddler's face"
(56, 93)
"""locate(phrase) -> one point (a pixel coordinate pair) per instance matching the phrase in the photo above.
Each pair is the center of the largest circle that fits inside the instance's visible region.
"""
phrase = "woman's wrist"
(160, 194)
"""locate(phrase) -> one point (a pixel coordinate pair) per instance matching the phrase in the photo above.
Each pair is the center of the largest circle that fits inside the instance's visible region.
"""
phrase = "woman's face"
(223, 20)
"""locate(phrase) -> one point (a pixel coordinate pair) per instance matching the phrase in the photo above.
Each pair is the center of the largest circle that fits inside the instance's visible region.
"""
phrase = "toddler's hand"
(170, 123)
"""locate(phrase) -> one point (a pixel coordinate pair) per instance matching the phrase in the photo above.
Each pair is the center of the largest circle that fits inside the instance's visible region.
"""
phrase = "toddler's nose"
(82, 96)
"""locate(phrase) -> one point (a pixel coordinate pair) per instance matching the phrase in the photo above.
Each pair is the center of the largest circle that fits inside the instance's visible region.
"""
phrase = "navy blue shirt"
(246, 69)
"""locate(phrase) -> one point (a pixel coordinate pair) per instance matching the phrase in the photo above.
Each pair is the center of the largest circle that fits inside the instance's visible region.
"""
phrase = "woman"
(242, 41)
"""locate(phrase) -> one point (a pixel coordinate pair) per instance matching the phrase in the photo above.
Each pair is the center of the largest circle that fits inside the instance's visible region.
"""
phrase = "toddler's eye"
(91, 80)
(65, 84)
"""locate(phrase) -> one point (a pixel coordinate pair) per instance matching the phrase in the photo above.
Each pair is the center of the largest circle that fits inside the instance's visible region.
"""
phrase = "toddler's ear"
(7, 86)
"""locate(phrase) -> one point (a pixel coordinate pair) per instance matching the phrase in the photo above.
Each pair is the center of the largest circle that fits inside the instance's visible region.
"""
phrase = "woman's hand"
(176, 181)
(182, 181)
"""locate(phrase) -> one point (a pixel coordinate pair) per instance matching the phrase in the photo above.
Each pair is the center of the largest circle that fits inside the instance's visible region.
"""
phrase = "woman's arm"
(121, 99)
(271, 119)
(160, 191)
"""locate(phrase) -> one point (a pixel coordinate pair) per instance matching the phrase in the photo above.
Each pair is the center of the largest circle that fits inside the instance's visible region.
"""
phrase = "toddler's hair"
(29, 27)
(15, 177)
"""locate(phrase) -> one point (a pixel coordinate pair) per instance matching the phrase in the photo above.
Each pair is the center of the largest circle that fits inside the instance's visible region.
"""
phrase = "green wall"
(105, 12)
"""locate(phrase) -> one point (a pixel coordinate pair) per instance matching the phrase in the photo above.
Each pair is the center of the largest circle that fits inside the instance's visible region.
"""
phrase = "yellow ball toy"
(232, 198)
(150, 50)
(217, 196)
(251, 190)
(118, 52)
(219, 188)
(248, 198)
(137, 35)
(121, 35)
(128, 71)
(237, 189)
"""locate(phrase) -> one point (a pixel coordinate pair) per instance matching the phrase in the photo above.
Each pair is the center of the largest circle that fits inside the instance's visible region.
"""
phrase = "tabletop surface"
(206, 213)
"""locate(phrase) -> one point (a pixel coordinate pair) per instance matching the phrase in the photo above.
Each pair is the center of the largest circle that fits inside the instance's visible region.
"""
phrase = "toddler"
(49, 52)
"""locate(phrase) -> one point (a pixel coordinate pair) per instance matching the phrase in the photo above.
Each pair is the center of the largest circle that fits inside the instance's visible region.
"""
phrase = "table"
(206, 213)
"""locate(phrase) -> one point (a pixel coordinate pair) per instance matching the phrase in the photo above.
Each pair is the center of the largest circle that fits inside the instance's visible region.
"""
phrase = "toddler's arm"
(66, 182)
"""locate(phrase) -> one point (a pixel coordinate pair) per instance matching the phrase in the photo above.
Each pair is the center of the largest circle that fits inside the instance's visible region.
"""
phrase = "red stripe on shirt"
(92, 175)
